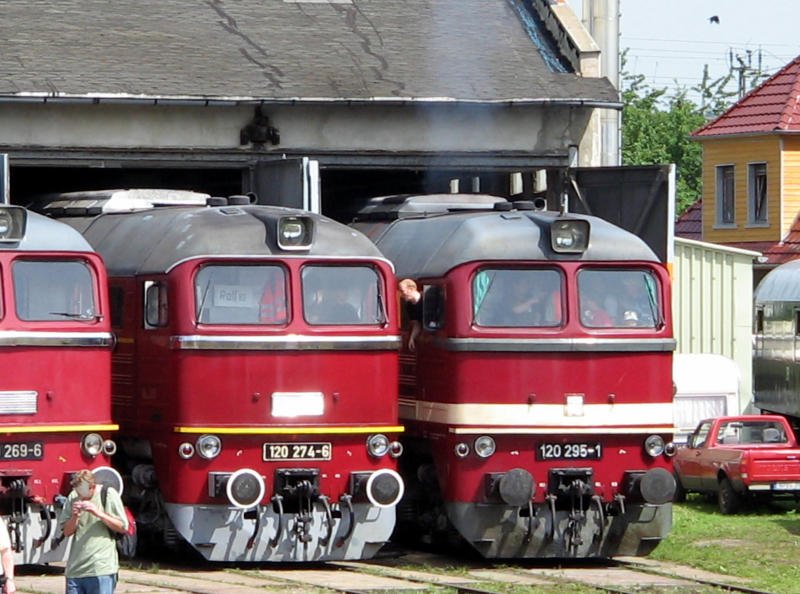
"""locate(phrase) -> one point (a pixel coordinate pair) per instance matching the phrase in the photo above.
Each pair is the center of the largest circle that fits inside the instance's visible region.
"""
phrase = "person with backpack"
(92, 513)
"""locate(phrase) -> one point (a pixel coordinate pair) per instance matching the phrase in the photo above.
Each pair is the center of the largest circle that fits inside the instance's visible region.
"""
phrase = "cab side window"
(116, 296)
(156, 305)
(432, 307)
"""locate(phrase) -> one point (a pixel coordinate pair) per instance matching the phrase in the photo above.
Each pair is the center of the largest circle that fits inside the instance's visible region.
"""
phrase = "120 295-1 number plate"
(569, 451)
(297, 451)
(23, 450)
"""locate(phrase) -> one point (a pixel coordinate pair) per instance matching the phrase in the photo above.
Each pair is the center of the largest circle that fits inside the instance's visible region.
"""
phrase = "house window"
(725, 202)
(757, 192)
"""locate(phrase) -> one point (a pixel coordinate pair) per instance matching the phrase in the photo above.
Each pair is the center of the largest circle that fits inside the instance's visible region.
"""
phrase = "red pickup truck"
(737, 458)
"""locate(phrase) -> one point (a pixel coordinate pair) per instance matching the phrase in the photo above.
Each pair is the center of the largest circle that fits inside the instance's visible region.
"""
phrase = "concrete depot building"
(313, 103)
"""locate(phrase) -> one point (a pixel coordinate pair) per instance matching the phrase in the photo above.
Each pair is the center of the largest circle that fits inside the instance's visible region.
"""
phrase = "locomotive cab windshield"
(50, 290)
(342, 295)
(517, 297)
(618, 298)
(241, 294)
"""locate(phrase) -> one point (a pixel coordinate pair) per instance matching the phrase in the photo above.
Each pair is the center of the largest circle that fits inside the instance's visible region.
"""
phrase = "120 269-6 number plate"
(297, 451)
(569, 451)
(22, 450)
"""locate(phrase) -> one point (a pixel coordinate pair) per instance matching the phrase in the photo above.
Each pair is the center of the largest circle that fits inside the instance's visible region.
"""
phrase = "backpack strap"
(103, 499)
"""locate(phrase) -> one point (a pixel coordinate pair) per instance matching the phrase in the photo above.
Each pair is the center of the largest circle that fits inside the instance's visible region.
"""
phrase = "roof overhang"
(194, 101)
(724, 136)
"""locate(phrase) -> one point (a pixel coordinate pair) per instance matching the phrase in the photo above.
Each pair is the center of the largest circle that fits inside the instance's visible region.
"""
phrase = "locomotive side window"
(230, 294)
(49, 290)
(614, 298)
(156, 305)
(342, 295)
(116, 297)
(517, 297)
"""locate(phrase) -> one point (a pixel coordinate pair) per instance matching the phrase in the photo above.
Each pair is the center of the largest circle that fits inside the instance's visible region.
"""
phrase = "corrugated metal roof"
(770, 107)
(278, 50)
(780, 284)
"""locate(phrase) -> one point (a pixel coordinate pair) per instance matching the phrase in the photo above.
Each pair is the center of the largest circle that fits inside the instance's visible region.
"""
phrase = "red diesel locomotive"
(254, 375)
(538, 401)
(55, 386)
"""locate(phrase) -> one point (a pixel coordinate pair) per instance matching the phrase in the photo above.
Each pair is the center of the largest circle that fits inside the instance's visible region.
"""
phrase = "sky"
(669, 41)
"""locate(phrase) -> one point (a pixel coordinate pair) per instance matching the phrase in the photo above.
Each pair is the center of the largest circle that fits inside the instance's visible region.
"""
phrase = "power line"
(696, 42)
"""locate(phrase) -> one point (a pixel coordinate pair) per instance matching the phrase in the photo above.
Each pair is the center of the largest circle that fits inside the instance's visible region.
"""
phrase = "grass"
(760, 543)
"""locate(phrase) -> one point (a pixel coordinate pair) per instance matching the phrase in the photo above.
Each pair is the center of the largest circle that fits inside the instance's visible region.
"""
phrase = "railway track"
(408, 573)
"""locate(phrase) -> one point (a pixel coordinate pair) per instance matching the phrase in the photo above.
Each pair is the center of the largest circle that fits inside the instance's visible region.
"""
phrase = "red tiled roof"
(773, 106)
(776, 252)
(690, 224)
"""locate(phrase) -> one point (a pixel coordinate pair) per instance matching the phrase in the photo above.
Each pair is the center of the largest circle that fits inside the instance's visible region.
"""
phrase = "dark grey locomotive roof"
(445, 234)
(781, 284)
(153, 241)
(283, 50)
(45, 234)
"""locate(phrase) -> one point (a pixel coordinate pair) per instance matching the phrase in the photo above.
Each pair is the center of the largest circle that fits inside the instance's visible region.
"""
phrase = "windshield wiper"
(75, 316)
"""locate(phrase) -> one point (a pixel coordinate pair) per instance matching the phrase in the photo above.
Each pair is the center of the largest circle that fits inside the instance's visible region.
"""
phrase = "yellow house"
(751, 172)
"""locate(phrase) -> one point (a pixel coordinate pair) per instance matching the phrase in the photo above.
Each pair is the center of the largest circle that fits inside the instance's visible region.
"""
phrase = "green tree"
(656, 129)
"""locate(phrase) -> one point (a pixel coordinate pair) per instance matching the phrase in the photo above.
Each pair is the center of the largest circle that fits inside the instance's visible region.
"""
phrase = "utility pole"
(743, 68)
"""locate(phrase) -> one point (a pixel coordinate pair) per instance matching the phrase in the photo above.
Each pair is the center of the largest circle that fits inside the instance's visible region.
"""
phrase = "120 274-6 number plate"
(23, 450)
(297, 451)
(569, 451)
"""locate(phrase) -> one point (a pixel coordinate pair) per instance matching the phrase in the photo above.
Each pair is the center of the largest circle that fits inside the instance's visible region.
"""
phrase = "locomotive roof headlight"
(208, 446)
(570, 236)
(92, 444)
(186, 450)
(109, 447)
(295, 233)
(13, 221)
(670, 449)
(485, 446)
(461, 450)
(654, 445)
(377, 445)
(395, 449)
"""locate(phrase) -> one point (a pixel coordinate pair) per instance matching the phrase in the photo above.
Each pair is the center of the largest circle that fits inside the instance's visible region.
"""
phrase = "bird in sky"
(714, 19)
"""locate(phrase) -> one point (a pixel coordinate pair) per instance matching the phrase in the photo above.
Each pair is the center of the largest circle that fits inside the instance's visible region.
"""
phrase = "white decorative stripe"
(50, 339)
(285, 342)
(550, 345)
(561, 430)
(625, 417)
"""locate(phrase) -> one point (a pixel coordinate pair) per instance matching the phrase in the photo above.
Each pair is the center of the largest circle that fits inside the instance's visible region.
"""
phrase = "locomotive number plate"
(297, 451)
(569, 451)
(23, 450)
